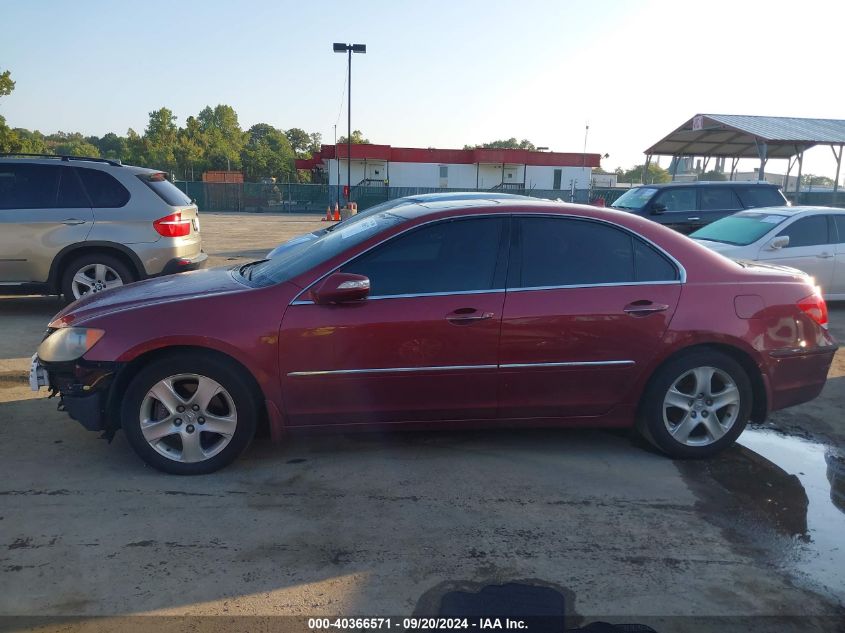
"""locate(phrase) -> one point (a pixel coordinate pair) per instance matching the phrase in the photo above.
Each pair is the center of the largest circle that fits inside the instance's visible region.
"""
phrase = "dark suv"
(687, 206)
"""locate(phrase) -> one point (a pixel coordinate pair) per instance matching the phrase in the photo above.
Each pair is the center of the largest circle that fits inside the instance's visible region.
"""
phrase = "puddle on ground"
(820, 471)
(794, 485)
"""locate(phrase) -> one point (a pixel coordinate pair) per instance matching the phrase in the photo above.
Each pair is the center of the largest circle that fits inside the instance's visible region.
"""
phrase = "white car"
(811, 239)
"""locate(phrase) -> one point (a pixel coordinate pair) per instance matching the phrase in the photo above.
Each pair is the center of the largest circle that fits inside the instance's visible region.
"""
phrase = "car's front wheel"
(189, 415)
(696, 404)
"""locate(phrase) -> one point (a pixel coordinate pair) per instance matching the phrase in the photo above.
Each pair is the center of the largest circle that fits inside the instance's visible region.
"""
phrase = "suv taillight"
(172, 225)
(815, 308)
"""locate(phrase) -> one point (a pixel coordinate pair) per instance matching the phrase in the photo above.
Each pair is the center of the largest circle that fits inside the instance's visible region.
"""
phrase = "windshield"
(307, 254)
(740, 229)
(635, 198)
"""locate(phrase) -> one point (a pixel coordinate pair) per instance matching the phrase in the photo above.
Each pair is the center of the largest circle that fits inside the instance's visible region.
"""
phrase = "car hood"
(178, 287)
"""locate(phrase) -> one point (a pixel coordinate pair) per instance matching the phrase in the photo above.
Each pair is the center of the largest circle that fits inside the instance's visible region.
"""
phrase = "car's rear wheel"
(189, 415)
(696, 405)
(93, 273)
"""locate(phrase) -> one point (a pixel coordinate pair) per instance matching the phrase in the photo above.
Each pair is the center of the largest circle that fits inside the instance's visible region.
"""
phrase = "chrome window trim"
(402, 370)
(682, 272)
(302, 302)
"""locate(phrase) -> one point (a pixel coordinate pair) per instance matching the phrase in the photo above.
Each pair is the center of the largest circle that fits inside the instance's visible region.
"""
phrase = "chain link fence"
(309, 198)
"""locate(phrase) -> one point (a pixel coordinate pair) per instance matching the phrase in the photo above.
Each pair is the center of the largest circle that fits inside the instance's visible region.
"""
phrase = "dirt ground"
(383, 525)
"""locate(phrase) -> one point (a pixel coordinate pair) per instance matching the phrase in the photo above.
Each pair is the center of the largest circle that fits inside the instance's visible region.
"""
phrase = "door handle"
(463, 316)
(696, 219)
(644, 308)
(73, 221)
(824, 255)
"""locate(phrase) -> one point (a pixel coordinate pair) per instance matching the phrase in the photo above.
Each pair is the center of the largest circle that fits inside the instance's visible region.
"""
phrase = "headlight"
(68, 343)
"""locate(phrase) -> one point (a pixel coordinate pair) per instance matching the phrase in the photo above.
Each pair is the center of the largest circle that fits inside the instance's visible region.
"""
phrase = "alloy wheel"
(94, 278)
(701, 406)
(188, 418)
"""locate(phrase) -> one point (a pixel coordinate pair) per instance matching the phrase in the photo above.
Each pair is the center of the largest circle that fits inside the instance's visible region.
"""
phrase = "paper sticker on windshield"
(772, 219)
(358, 227)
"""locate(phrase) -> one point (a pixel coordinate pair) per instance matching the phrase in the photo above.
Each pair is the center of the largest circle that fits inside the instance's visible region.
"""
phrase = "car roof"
(82, 161)
(711, 183)
(465, 195)
(414, 209)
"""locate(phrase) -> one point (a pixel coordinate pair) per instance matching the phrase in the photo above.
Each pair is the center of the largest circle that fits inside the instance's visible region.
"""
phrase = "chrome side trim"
(404, 370)
(385, 370)
(621, 283)
(581, 363)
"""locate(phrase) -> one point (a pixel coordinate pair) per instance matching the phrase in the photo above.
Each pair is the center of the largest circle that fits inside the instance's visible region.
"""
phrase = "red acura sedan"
(445, 315)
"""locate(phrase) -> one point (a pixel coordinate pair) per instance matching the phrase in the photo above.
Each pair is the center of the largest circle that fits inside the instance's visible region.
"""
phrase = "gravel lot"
(381, 524)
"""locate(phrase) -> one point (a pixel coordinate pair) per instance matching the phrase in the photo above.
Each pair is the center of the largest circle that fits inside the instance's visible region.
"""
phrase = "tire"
(180, 442)
(688, 421)
(99, 270)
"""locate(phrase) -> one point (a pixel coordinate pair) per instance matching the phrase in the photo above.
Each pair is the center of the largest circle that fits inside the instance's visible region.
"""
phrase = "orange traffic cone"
(328, 217)
(336, 213)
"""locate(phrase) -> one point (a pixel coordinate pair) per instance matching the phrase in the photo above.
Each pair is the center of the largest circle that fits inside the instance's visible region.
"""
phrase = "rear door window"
(677, 200)
(103, 189)
(810, 231)
(28, 186)
(760, 197)
(71, 195)
(719, 199)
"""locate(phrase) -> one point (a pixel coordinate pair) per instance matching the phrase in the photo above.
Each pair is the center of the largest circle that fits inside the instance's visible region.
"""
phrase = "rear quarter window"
(165, 189)
(103, 189)
(760, 197)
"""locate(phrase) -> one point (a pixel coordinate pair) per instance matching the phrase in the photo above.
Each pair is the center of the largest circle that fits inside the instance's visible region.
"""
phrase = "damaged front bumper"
(83, 388)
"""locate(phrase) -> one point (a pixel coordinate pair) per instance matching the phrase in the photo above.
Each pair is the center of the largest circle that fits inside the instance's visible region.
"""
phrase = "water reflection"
(789, 470)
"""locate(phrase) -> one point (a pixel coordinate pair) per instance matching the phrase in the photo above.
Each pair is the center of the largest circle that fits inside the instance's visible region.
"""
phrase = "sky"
(436, 73)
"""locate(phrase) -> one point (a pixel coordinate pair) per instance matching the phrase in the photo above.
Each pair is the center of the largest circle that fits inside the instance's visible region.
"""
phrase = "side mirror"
(657, 208)
(341, 288)
(779, 242)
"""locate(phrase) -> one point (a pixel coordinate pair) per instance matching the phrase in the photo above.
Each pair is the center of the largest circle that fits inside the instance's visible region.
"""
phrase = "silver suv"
(71, 225)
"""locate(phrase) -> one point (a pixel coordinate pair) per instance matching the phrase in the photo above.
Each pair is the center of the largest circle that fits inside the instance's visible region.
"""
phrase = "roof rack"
(115, 163)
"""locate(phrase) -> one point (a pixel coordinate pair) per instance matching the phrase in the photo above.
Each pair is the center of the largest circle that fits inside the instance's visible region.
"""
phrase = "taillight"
(172, 225)
(815, 308)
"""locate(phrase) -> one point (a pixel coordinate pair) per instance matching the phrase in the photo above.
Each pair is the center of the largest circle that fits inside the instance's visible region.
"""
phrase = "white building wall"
(542, 177)
(460, 176)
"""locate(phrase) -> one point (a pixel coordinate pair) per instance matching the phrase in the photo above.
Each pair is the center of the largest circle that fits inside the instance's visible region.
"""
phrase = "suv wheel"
(189, 414)
(92, 273)
(696, 405)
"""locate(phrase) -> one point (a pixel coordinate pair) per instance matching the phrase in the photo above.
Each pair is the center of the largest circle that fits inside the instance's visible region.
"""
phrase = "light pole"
(348, 49)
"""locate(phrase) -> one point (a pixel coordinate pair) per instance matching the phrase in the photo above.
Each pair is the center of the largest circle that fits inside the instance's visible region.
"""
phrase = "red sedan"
(445, 315)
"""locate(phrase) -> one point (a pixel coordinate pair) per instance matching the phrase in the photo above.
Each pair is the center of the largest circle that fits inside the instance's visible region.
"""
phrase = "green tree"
(811, 180)
(70, 144)
(223, 136)
(299, 140)
(510, 143)
(9, 139)
(713, 175)
(160, 140)
(635, 174)
(267, 153)
(6, 83)
(112, 146)
(357, 138)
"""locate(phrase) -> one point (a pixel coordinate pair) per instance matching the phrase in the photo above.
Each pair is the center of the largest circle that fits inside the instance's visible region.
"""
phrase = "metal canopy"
(761, 137)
